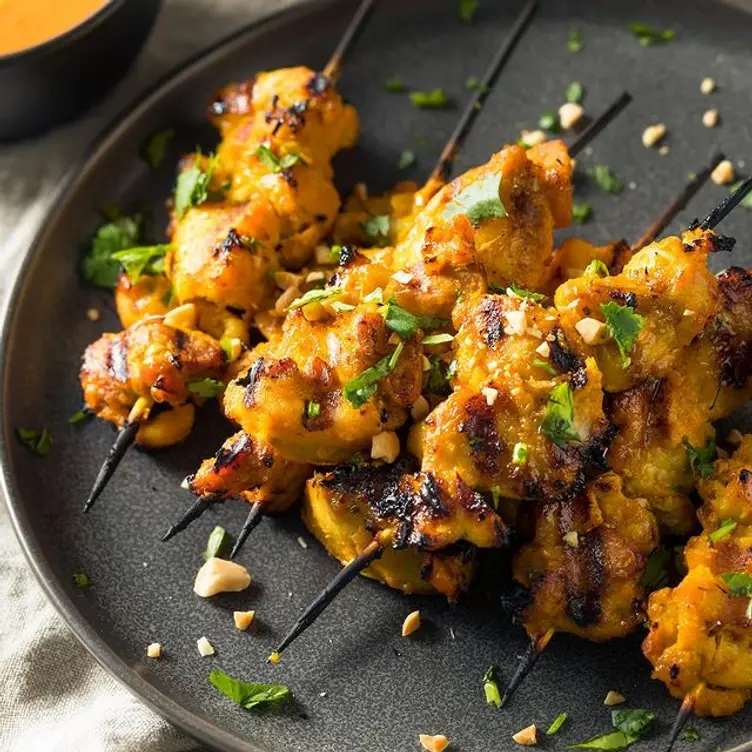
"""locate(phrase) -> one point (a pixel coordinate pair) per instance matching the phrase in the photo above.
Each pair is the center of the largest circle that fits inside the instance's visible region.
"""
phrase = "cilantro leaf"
(156, 146)
(624, 324)
(142, 260)
(215, 544)
(83, 580)
(606, 180)
(545, 365)
(360, 389)
(313, 409)
(549, 121)
(648, 35)
(318, 293)
(206, 388)
(491, 687)
(80, 416)
(276, 164)
(192, 185)
(689, 734)
(701, 459)
(479, 201)
(738, 583)
(558, 422)
(596, 268)
(574, 41)
(406, 324)
(467, 9)
(520, 292)
(635, 723)
(395, 85)
(473, 83)
(724, 529)
(558, 722)
(438, 377)
(616, 740)
(248, 694)
(575, 92)
(581, 211)
(432, 100)
(377, 228)
(97, 266)
(437, 339)
(406, 160)
(37, 441)
(655, 574)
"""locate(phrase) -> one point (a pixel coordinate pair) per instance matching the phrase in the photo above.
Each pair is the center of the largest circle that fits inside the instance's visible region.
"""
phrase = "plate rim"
(195, 726)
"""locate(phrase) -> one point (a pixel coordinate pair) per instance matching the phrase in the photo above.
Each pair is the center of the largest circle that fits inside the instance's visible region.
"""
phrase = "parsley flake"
(549, 121)
(624, 325)
(431, 100)
(574, 41)
(545, 365)
(406, 160)
(558, 722)
(216, 543)
(581, 211)
(395, 85)
(655, 574)
(83, 580)
(438, 377)
(558, 422)
(606, 180)
(276, 164)
(575, 92)
(317, 294)
(98, 266)
(473, 83)
(519, 292)
(596, 268)
(479, 202)
(406, 324)
(360, 389)
(248, 694)
(649, 35)
(313, 409)
(491, 687)
(724, 529)
(630, 725)
(738, 583)
(467, 10)
(142, 260)
(192, 185)
(156, 146)
(689, 734)
(701, 459)
(37, 441)
(519, 454)
(206, 388)
(80, 416)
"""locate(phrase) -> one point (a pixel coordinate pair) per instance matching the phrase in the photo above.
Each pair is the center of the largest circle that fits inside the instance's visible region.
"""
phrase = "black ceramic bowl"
(59, 79)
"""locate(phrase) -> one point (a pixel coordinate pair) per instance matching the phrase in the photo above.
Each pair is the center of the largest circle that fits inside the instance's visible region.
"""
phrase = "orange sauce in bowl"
(27, 23)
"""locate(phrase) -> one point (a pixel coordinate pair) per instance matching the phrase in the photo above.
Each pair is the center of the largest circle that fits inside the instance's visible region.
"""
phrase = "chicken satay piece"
(150, 295)
(347, 507)
(575, 255)
(636, 323)
(662, 422)
(582, 572)
(701, 631)
(155, 362)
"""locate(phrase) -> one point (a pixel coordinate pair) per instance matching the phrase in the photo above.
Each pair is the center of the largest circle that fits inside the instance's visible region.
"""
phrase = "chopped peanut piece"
(286, 280)
(653, 134)
(204, 647)
(516, 322)
(426, 363)
(385, 446)
(663, 150)
(411, 623)
(243, 619)
(154, 650)
(533, 138)
(221, 576)
(707, 85)
(490, 394)
(734, 437)
(592, 331)
(182, 317)
(570, 114)
(710, 119)
(527, 737)
(420, 408)
(436, 743)
(544, 350)
(572, 539)
(614, 698)
(403, 277)
(93, 314)
(286, 298)
(724, 173)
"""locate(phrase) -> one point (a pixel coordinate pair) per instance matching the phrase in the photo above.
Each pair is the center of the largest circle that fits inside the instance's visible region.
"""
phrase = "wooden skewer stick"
(533, 652)
(685, 712)
(601, 122)
(475, 105)
(333, 68)
(679, 203)
(727, 205)
(369, 554)
(192, 513)
(251, 521)
(124, 440)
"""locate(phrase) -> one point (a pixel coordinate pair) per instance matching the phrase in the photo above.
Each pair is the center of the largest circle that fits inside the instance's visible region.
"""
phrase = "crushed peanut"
(516, 322)
(411, 623)
(436, 743)
(302, 542)
(385, 446)
(526, 737)
(204, 647)
(707, 85)
(653, 134)
(614, 698)
(724, 173)
(490, 394)
(426, 363)
(154, 650)
(183, 317)
(592, 331)
(533, 138)
(572, 539)
(710, 118)
(663, 150)
(734, 437)
(420, 408)
(93, 314)
(243, 619)
(285, 280)
(403, 277)
(287, 297)
(544, 350)
(220, 576)
(570, 114)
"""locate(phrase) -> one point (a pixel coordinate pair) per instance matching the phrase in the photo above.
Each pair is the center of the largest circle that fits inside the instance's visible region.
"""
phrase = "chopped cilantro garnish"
(437, 339)
(574, 41)
(377, 228)
(206, 388)
(98, 266)
(558, 422)
(360, 389)
(155, 148)
(596, 268)
(549, 121)
(313, 409)
(648, 35)
(575, 92)
(479, 202)
(319, 293)
(37, 441)
(433, 99)
(545, 365)
(275, 163)
(215, 544)
(655, 574)
(519, 454)
(192, 185)
(467, 9)
(395, 85)
(624, 325)
(496, 497)
(738, 583)
(407, 324)
(558, 722)
(82, 580)
(581, 211)
(438, 377)
(701, 459)
(339, 307)
(406, 160)
(473, 83)
(519, 292)
(142, 260)
(606, 180)
(689, 734)
(491, 687)
(724, 529)
(630, 725)
(80, 416)
(248, 694)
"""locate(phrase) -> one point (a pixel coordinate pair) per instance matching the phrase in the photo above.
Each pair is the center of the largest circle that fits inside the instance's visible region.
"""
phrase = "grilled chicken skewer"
(700, 631)
(222, 252)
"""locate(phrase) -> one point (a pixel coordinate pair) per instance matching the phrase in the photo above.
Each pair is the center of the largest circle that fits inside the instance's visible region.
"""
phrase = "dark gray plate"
(381, 690)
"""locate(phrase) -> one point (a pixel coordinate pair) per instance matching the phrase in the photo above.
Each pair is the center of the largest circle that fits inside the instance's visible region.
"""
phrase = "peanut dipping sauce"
(28, 23)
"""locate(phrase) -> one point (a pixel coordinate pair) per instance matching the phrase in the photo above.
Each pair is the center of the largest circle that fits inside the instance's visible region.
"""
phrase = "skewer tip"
(254, 517)
(684, 714)
(191, 515)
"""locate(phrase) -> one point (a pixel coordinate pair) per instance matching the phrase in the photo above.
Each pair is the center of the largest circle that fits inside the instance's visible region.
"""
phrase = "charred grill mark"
(235, 311)
(250, 380)
(578, 379)
(561, 356)
(118, 359)
(234, 100)
(226, 456)
(348, 254)
(287, 175)
(721, 244)
(293, 117)
(320, 218)
(516, 601)
(181, 340)
(319, 84)
(175, 361)
(480, 426)
(735, 285)
(745, 476)
(431, 496)
(624, 298)
(233, 240)
(492, 327)
(734, 356)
